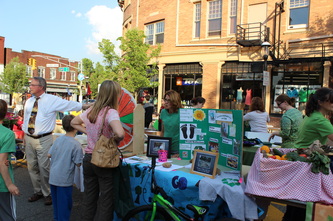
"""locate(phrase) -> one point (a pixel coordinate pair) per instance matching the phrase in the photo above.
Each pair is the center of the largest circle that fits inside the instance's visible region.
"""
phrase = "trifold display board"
(212, 130)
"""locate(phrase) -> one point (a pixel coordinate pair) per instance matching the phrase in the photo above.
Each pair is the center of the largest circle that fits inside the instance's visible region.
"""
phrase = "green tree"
(138, 63)
(111, 59)
(15, 77)
(87, 67)
(97, 77)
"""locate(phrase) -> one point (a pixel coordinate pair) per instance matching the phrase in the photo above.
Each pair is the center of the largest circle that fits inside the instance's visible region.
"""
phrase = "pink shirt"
(93, 129)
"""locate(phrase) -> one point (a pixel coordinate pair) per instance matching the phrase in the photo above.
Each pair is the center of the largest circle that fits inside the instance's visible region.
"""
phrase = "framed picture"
(156, 143)
(205, 163)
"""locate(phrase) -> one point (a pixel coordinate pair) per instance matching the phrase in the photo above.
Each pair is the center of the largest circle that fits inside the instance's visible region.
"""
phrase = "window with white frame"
(41, 72)
(233, 16)
(215, 18)
(63, 76)
(299, 13)
(197, 18)
(53, 73)
(29, 71)
(155, 33)
(73, 75)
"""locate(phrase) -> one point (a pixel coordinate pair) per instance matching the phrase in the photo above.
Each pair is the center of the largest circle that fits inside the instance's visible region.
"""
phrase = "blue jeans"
(62, 202)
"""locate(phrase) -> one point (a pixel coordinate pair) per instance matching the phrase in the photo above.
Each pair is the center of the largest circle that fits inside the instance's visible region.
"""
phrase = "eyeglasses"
(167, 100)
(34, 85)
(279, 103)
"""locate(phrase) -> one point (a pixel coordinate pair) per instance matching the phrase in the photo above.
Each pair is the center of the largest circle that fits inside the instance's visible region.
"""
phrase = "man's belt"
(38, 136)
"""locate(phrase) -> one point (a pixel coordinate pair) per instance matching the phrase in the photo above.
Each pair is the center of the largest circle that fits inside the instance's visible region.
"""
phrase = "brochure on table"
(213, 130)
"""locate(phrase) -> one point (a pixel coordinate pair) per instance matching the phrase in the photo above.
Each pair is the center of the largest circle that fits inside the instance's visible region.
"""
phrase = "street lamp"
(266, 79)
(265, 46)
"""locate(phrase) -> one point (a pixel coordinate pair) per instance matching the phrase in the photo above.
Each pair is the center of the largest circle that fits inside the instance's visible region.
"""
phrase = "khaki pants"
(38, 162)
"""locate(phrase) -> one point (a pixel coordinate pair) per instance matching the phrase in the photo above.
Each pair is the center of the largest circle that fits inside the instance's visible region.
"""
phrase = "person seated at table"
(290, 121)
(257, 117)
(315, 125)
(170, 119)
(198, 102)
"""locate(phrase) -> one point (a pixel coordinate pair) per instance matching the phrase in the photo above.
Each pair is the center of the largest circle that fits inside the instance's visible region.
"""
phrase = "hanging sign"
(265, 78)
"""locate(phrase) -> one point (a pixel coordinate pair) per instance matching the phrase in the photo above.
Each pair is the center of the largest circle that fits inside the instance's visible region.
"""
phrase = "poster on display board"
(213, 130)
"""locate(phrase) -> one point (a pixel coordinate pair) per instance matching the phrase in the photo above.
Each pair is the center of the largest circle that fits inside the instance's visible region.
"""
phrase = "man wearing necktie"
(39, 122)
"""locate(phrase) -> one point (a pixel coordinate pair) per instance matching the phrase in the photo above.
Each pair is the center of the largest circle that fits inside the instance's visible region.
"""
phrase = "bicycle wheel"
(143, 213)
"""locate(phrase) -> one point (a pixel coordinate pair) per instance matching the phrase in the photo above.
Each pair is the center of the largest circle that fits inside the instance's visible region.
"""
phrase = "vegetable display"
(315, 154)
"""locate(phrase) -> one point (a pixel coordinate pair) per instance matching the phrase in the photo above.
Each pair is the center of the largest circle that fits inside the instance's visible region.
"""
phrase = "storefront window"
(186, 79)
(298, 80)
(240, 82)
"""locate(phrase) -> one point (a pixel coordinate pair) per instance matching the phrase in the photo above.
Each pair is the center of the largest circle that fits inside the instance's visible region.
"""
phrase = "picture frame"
(155, 143)
(204, 163)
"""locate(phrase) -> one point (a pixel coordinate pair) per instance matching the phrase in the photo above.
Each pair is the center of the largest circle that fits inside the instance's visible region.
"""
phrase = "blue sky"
(67, 28)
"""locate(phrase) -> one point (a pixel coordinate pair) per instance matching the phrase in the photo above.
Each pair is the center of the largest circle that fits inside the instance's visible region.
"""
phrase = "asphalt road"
(37, 211)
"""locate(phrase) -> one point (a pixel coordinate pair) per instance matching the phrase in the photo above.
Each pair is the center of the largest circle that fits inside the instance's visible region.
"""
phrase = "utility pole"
(80, 77)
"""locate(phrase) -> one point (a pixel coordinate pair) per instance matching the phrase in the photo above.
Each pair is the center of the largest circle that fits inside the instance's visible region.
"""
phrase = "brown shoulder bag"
(106, 153)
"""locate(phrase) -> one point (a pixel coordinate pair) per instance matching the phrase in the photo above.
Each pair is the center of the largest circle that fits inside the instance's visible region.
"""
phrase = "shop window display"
(297, 80)
(301, 94)
(186, 79)
(241, 81)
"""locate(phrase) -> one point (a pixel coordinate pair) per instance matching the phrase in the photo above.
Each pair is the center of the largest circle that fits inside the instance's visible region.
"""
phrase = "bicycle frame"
(159, 198)
(169, 208)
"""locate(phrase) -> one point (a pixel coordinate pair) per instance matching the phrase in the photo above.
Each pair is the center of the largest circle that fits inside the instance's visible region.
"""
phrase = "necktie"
(32, 120)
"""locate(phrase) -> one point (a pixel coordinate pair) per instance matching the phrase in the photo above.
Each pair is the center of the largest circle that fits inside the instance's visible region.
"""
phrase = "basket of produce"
(295, 174)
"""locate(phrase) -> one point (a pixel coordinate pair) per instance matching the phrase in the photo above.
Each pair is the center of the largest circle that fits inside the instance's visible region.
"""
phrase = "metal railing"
(251, 34)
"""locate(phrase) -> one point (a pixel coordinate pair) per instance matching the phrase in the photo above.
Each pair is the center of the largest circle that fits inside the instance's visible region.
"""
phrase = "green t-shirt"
(315, 127)
(290, 123)
(7, 145)
(171, 128)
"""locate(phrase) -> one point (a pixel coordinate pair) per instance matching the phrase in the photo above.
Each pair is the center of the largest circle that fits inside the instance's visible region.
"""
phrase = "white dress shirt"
(48, 106)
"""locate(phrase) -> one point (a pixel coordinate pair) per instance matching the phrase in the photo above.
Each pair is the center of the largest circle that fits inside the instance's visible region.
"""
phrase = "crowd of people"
(52, 179)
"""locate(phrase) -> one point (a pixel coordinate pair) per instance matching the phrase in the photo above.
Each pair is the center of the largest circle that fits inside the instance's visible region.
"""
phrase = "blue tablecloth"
(181, 187)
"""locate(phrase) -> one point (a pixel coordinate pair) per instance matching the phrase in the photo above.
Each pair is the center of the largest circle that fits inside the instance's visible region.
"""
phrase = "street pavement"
(37, 211)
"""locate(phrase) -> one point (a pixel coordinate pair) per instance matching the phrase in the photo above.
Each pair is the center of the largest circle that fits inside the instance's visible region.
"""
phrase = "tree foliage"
(138, 62)
(87, 67)
(134, 69)
(111, 59)
(15, 77)
(97, 77)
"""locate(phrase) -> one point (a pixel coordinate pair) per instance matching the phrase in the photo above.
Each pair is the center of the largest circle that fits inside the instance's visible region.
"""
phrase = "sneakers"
(48, 200)
(35, 197)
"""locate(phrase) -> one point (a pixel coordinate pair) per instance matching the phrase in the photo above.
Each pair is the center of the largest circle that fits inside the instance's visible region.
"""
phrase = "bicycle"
(160, 208)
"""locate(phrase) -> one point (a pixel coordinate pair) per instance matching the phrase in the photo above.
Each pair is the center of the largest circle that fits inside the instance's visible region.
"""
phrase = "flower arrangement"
(10, 120)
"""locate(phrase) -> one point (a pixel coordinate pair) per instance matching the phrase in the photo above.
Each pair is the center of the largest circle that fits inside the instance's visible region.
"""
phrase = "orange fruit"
(284, 157)
(265, 148)
(278, 157)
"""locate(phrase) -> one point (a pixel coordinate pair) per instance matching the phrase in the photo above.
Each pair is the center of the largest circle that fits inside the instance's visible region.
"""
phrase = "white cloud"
(106, 23)
(79, 14)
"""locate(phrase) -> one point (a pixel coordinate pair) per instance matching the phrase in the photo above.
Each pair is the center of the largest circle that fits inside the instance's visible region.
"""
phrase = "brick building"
(47, 66)
(214, 48)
